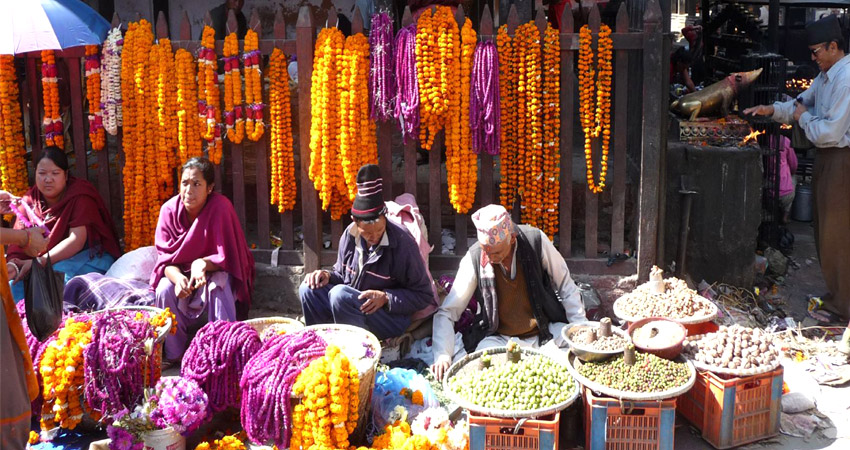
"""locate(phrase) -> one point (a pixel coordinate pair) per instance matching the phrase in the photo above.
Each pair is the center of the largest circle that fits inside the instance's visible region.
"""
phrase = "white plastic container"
(166, 439)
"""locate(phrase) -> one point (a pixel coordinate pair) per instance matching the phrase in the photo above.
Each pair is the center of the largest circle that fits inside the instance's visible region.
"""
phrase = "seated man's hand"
(374, 300)
(440, 367)
(318, 279)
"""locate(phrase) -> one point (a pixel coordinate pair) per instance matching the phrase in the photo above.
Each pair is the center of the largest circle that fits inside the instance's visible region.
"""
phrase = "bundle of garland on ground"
(13, 169)
(281, 155)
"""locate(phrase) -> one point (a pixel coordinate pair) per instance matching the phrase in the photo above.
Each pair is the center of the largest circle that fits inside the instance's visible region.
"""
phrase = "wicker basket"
(263, 323)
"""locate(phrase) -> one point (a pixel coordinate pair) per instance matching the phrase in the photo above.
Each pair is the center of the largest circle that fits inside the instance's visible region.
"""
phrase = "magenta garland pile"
(267, 385)
(115, 360)
(407, 84)
(382, 85)
(216, 358)
(484, 110)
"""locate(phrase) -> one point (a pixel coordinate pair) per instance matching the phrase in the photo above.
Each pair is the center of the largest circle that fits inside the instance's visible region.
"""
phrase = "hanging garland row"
(437, 65)
(357, 140)
(595, 99)
(188, 127)
(282, 160)
(167, 127)
(208, 93)
(484, 107)
(551, 130)
(508, 139)
(54, 130)
(253, 86)
(13, 169)
(110, 91)
(407, 85)
(382, 82)
(97, 135)
(234, 119)
(530, 122)
(461, 162)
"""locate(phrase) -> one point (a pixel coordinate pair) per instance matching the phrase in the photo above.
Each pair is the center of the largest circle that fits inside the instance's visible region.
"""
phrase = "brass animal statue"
(716, 99)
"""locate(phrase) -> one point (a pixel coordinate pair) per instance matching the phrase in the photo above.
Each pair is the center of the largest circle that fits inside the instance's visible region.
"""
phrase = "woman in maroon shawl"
(82, 235)
(203, 264)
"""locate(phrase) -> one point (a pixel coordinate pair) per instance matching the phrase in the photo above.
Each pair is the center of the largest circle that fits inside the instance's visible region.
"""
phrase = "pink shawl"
(216, 234)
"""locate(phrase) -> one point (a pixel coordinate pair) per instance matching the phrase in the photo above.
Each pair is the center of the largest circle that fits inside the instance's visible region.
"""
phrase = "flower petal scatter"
(437, 65)
(216, 359)
(188, 126)
(508, 80)
(407, 83)
(382, 77)
(267, 385)
(54, 129)
(595, 99)
(116, 361)
(551, 130)
(282, 156)
(180, 404)
(97, 135)
(209, 103)
(110, 92)
(13, 168)
(251, 59)
(328, 412)
(62, 371)
(461, 162)
(234, 119)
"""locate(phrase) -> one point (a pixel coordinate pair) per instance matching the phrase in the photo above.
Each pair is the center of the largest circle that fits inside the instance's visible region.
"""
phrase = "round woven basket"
(573, 363)
(284, 323)
(732, 372)
(364, 350)
(472, 359)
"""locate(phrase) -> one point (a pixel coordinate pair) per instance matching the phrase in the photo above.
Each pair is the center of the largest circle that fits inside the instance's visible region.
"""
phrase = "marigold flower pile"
(281, 156)
(62, 372)
(13, 169)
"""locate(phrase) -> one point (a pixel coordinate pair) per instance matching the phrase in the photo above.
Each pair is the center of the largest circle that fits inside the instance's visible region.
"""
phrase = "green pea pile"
(532, 383)
(649, 373)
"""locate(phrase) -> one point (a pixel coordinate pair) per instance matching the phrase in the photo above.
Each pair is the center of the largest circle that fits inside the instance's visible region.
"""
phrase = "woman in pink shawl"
(203, 264)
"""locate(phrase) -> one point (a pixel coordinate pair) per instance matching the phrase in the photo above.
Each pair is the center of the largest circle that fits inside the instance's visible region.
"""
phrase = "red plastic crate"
(628, 425)
(493, 433)
(734, 411)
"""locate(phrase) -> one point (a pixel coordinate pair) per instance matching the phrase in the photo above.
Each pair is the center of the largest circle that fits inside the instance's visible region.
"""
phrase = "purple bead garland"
(216, 358)
(484, 104)
(114, 361)
(267, 384)
(407, 84)
(382, 84)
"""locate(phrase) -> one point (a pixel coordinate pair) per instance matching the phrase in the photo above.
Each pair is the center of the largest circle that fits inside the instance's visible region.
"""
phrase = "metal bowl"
(670, 351)
(589, 354)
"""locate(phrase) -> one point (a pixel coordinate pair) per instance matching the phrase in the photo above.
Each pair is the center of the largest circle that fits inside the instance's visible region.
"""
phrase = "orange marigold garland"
(62, 371)
(166, 118)
(97, 134)
(595, 99)
(508, 97)
(209, 103)
(357, 140)
(282, 159)
(13, 168)
(529, 63)
(188, 127)
(253, 86)
(233, 118)
(54, 130)
(437, 64)
(551, 130)
(461, 162)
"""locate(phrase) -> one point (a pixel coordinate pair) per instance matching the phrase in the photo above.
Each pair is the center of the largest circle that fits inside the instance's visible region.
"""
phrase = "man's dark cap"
(824, 30)
(369, 201)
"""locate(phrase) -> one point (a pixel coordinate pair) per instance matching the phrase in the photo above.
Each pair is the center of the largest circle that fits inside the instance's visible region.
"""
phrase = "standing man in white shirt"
(524, 284)
(823, 113)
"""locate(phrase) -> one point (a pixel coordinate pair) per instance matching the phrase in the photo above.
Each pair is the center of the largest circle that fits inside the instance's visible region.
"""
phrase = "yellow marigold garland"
(357, 140)
(167, 126)
(551, 129)
(188, 127)
(233, 119)
(209, 103)
(253, 86)
(97, 134)
(437, 64)
(595, 99)
(62, 371)
(54, 130)
(13, 168)
(328, 411)
(461, 162)
(508, 95)
(282, 159)
(529, 63)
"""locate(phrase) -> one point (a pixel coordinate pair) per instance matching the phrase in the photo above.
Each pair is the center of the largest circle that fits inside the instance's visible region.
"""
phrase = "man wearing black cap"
(379, 280)
(823, 113)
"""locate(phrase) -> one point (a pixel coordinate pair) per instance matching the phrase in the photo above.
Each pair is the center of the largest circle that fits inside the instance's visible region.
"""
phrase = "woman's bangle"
(17, 269)
(29, 239)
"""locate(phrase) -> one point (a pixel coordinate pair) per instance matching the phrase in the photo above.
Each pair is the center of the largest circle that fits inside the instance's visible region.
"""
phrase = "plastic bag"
(43, 297)
(388, 395)
(136, 265)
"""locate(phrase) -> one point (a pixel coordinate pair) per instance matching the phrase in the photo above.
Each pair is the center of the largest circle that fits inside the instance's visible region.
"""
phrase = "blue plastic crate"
(643, 425)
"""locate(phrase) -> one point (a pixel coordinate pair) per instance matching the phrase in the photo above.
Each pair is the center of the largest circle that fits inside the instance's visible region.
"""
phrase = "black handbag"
(43, 297)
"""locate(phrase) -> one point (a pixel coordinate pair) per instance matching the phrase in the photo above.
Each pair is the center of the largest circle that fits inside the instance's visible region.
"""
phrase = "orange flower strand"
(508, 95)
(62, 372)
(282, 160)
(551, 130)
(13, 169)
(97, 134)
(233, 118)
(254, 126)
(595, 99)
(54, 129)
(188, 127)
(209, 96)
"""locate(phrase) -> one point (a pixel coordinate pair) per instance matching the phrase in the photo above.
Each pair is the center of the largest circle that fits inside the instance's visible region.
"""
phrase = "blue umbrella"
(33, 25)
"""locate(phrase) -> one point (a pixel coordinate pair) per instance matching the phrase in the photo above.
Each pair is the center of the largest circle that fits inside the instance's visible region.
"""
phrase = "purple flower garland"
(114, 361)
(382, 84)
(407, 83)
(484, 103)
(267, 385)
(37, 349)
(216, 358)
(180, 404)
